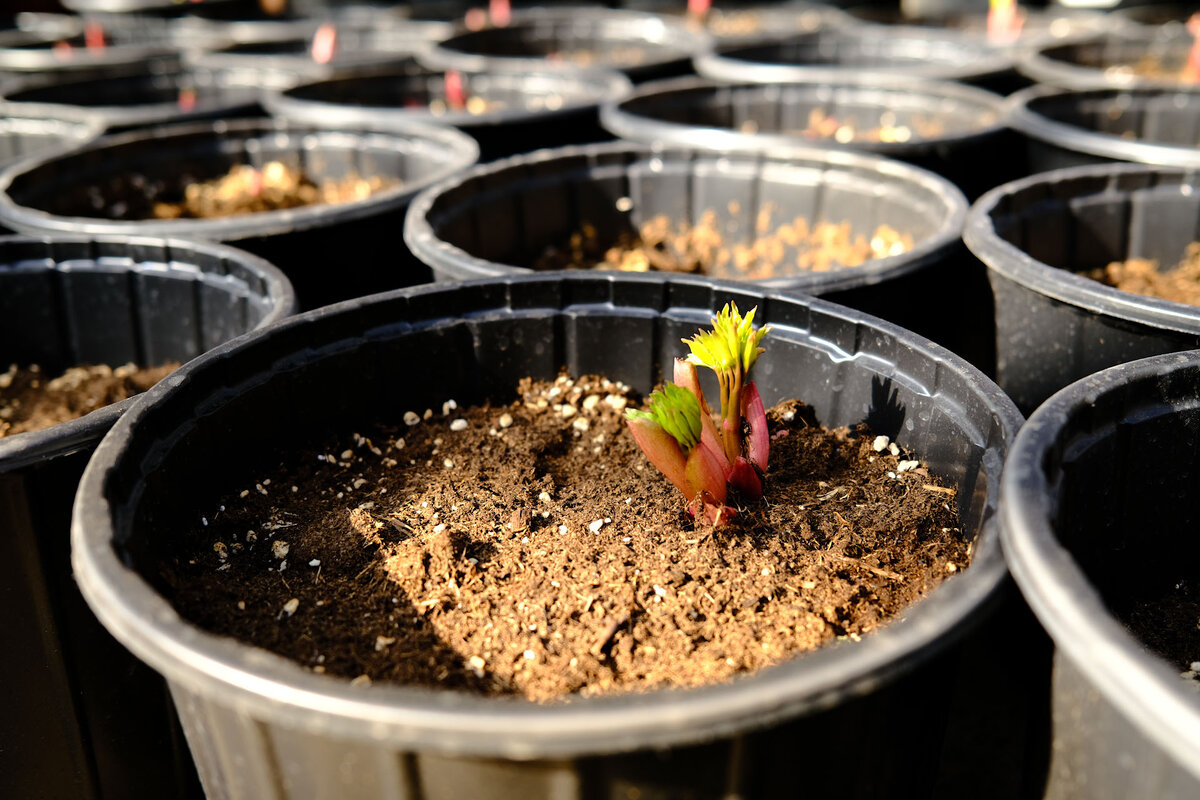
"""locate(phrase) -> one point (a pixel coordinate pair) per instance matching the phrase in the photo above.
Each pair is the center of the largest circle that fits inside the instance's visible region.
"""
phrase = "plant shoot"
(701, 455)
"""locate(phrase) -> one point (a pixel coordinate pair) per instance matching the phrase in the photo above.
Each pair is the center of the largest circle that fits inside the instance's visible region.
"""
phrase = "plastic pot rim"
(264, 684)
(722, 64)
(1034, 64)
(1142, 686)
(1084, 21)
(299, 65)
(628, 125)
(22, 449)
(458, 145)
(426, 245)
(1004, 258)
(682, 43)
(18, 59)
(81, 131)
(1020, 117)
(127, 6)
(162, 112)
(604, 85)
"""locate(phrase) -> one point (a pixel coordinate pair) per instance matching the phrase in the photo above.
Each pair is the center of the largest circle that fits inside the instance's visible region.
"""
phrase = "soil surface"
(777, 250)
(247, 190)
(531, 549)
(1168, 623)
(887, 129)
(29, 401)
(1142, 276)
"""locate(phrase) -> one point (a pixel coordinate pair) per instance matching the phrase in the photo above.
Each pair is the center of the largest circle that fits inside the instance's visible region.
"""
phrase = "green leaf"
(732, 344)
(677, 411)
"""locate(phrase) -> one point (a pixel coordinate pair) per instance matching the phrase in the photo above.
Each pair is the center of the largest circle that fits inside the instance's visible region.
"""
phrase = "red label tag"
(324, 42)
(456, 94)
(500, 11)
(93, 36)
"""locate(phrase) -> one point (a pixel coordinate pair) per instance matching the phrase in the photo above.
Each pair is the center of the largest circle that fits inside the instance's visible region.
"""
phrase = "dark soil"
(29, 401)
(1168, 623)
(1142, 276)
(776, 250)
(531, 549)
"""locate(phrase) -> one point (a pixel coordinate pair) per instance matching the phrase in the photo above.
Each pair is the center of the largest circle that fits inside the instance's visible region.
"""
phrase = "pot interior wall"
(24, 137)
(512, 216)
(1086, 222)
(130, 90)
(612, 42)
(786, 109)
(116, 303)
(1168, 54)
(510, 92)
(1124, 470)
(124, 181)
(1157, 117)
(876, 50)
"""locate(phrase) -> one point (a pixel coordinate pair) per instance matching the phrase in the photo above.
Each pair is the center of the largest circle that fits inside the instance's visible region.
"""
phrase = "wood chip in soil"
(29, 401)
(530, 549)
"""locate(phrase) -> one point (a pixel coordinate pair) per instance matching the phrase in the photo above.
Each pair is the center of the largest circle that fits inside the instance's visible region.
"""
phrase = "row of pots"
(58, 193)
(1077, 50)
(264, 727)
(842, 362)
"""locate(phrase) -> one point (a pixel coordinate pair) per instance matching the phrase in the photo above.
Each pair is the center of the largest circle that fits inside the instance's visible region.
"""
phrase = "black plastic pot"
(1107, 62)
(839, 54)
(123, 101)
(1054, 326)
(261, 725)
(282, 63)
(198, 33)
(169, 9)
(1098, 510)
(643, 46)
(330, 252)
(22, 52)
(82, 717)
(22, 137)
(752, 23)
(970, 145)
(1066, 128)
(525, 111)
(497, 219)
(1159, 18)
(1039, 26)
(45, 23)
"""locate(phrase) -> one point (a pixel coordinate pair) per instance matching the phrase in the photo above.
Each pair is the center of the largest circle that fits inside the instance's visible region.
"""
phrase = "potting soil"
(714, 247)
(1142, 276)
(1167, 621)
(247, 190)
(531, 549)
(30, 401)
